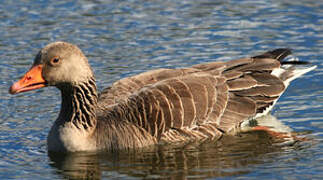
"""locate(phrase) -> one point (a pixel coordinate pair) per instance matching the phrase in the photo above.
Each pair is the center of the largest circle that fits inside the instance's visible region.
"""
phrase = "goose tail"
(291, 67)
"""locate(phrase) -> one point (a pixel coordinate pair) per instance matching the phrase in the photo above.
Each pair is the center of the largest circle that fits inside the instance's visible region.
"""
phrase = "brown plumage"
(202, 102)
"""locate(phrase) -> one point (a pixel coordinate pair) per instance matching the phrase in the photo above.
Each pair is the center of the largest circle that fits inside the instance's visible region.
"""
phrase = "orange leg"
(278, 135)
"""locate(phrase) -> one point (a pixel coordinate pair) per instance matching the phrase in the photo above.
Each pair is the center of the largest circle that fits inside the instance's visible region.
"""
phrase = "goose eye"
(55, 60)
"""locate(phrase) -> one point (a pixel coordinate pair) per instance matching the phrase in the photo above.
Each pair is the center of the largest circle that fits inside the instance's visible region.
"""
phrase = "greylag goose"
(205, 101)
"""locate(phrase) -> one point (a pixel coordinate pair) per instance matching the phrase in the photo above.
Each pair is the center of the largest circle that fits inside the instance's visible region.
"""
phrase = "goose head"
(58, 64)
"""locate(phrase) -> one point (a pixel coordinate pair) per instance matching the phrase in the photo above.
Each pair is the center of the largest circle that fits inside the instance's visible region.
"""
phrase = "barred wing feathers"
(203, 101)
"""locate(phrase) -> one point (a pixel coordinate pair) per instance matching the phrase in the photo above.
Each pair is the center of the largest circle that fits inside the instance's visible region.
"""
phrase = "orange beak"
(31, 80)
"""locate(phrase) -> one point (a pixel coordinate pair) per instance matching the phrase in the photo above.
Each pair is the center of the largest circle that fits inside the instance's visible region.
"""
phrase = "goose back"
(203, 101)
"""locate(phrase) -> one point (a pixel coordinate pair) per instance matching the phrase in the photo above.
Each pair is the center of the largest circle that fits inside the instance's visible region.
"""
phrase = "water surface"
(123, 38)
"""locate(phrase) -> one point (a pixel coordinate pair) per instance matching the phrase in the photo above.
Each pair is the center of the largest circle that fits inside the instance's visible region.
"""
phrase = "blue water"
(123, 38)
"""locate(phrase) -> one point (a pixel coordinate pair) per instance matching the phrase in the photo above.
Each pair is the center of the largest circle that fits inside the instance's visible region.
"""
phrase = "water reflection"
(232, 155)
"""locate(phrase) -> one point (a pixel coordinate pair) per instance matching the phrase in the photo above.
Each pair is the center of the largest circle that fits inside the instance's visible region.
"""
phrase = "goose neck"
(79, 104)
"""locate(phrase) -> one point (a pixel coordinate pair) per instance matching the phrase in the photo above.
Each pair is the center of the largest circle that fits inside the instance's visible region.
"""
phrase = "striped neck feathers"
(79, 103)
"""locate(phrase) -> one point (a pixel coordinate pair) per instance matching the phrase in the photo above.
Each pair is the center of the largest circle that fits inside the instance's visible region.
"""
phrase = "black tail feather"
(278, 54)
(295, 62)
